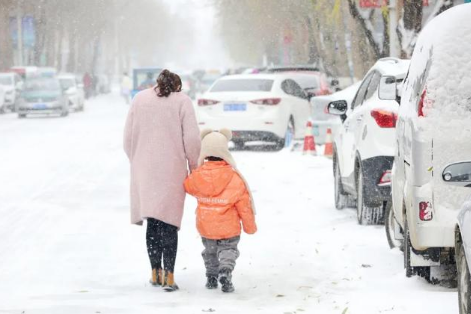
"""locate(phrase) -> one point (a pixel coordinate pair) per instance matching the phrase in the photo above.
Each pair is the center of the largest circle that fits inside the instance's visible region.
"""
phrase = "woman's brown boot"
(170, 284)
(157, 277)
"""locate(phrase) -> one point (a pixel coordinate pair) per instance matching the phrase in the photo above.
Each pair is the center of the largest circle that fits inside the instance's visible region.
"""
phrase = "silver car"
(43, 96)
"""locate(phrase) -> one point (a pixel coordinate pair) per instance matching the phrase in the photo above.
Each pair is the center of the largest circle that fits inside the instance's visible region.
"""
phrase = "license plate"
(40, 106)
(235, 107)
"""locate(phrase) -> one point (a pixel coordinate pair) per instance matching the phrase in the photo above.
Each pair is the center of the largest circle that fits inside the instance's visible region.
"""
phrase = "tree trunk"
(368, 33)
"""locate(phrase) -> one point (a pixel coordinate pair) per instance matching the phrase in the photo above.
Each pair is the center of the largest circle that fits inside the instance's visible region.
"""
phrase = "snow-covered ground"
(66, 245)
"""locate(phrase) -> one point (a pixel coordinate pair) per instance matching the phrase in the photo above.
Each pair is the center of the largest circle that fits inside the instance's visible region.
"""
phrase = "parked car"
(262, 107)
(73, 88)
(12, 85)
(364, 146)
(433, 130)
(2, 100)
(458, 177)
(43, 96)
(322, 120)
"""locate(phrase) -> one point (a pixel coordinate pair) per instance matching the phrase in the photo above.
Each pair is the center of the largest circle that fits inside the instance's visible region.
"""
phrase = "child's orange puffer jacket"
(223, 201)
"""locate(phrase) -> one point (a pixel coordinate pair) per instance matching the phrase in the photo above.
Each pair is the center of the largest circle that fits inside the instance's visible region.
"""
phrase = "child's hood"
(211, 178)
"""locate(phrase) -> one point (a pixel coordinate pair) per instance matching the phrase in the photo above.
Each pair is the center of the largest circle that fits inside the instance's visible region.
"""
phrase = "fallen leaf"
(366, 265)
(83, 291)
(280, 296)
(210, 310)
(345, 310)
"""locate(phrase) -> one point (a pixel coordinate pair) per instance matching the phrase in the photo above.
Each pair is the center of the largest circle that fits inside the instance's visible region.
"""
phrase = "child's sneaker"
(225, 278)
(211, 282)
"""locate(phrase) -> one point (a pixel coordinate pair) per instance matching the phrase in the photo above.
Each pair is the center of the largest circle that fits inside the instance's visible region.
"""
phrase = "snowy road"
(66, 245)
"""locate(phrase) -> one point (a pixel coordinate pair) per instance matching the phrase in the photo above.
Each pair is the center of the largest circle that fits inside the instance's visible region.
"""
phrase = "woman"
(161, 140)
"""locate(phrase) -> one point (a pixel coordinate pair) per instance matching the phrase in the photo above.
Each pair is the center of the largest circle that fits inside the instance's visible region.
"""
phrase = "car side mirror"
(458, 174)
(387, 88)
(338, 107)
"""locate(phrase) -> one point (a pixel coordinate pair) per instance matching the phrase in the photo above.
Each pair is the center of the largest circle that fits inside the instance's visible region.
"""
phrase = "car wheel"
(366, 215)
(21, 115)
(341, 198)
(2, 110)
(390, 222)
(65, 113)
(464, 281)
(239, 145)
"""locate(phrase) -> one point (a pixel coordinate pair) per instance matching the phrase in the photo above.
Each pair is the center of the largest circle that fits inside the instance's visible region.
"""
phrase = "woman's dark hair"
(168, 83)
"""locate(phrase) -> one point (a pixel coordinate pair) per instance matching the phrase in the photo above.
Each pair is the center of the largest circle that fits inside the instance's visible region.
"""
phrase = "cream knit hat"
(215, 143)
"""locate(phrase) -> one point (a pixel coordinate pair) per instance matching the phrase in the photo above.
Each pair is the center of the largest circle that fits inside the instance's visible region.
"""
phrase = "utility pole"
(394, 49)
(19, 27)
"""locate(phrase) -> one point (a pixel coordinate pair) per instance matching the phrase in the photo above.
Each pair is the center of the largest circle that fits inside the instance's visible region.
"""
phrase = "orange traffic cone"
(309, 143)
(328, 150)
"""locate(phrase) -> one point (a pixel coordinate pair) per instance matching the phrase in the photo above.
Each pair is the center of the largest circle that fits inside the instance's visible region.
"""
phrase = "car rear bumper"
(31, 109)
(373, 169)
(251, 136)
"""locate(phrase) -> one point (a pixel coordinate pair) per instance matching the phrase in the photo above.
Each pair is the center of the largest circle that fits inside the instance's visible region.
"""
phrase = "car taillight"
(425, 211)
(267, 101)
(385, 178)
(424, 103)
(207, 102)
(384, 119)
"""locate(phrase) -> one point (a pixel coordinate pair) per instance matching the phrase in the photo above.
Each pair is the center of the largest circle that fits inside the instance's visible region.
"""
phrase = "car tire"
(2, 110)
(341, 198)
(366, 215)
(422, 271)
(21, 115)
(65, 113)
(239, 145)
(389, 222)
(464, 280)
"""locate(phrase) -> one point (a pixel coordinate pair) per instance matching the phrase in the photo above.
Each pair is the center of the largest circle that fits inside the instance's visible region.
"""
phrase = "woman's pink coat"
(161, 139)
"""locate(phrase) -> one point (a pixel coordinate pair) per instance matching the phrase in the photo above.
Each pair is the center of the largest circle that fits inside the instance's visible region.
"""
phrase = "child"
(224, 201)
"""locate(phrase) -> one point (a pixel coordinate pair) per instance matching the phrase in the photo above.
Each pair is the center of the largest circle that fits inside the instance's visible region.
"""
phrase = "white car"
(433, 131)
(364, 146)
(12, 84)
(74, 90)
(458, 177)
(262, 107)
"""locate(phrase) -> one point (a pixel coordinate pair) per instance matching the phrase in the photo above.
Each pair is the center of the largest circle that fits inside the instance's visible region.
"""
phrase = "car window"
(373, 86)
(360, 96)
(292, 88)
(243, 85)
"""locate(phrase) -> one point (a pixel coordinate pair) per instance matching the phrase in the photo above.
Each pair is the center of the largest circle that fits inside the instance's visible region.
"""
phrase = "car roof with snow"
(392, 66)
(258, 76)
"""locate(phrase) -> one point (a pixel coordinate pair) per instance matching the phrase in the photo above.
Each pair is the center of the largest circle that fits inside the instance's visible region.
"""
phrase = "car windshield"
(6, 80)
(308, 81)
(42, 85)
(243, 85)
(67, 83)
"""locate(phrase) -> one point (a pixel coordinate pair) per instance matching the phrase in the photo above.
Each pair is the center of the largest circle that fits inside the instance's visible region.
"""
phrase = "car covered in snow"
(433, 130)
(262, 107)
(364, 147)
(458, 176)
(73, 88)
(43, 96)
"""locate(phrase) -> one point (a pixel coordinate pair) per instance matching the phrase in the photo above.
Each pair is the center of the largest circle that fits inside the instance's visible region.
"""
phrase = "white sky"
(208, 49)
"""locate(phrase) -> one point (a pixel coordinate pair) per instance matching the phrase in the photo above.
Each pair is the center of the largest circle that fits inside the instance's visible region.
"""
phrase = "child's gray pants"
(220, 254)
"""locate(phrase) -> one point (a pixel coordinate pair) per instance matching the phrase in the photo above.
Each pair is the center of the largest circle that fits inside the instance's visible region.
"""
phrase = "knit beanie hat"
(215, 143)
